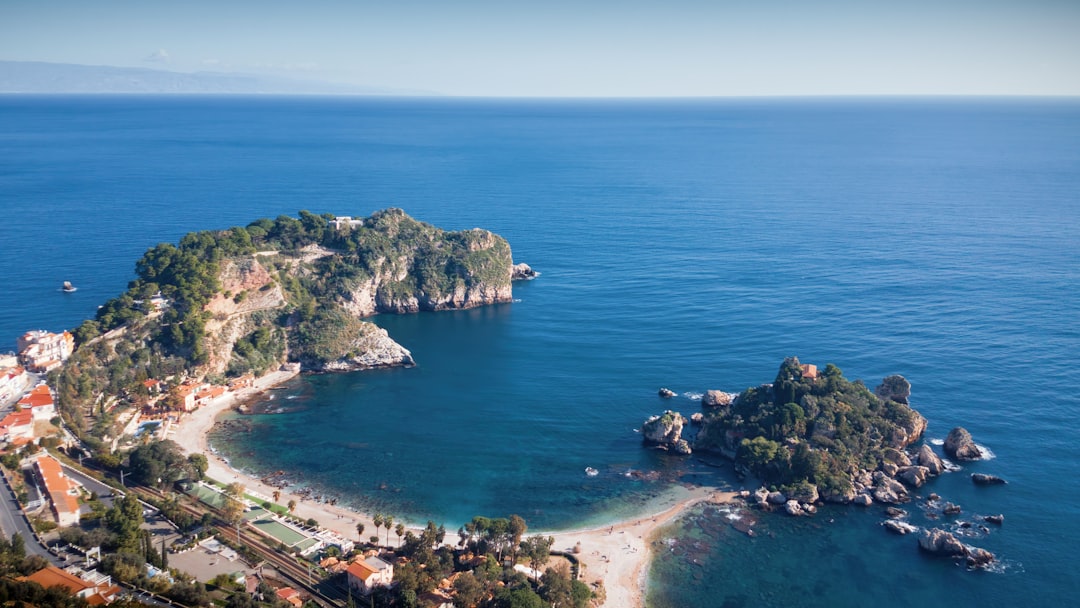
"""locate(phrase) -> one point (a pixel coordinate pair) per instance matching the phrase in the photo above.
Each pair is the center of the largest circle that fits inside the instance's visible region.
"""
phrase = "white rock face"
(374, 348)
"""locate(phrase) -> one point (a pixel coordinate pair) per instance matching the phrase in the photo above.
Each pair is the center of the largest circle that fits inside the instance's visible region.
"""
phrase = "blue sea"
(686, 244)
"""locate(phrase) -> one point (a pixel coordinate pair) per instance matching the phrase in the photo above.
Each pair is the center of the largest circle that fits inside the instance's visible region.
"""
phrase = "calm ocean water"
(683, 244)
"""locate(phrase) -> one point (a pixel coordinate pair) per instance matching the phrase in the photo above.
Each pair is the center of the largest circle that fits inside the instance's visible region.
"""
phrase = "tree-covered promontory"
(222, 304)
(811, 428)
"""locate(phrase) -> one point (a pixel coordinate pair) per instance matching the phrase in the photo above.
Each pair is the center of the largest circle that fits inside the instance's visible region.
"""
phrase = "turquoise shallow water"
(683, 244)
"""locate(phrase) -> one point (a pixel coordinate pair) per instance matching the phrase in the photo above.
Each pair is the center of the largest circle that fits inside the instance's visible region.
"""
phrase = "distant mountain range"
(42, 77)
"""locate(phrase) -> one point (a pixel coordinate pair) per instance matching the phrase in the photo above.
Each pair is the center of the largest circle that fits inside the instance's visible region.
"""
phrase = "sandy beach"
(616, 554)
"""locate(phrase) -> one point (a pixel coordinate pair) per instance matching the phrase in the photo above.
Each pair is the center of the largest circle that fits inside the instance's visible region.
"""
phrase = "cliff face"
(379, 295)
(409, 266)
(246, 288)
(389, 263)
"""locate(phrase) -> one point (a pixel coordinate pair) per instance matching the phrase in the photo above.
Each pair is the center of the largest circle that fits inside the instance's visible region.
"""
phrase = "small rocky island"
(813, 436)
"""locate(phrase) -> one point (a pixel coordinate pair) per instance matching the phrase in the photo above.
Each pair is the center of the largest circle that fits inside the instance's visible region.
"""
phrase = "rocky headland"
(289, 291)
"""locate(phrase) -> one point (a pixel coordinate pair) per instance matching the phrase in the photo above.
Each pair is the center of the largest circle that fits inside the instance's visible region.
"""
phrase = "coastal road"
(13, 522)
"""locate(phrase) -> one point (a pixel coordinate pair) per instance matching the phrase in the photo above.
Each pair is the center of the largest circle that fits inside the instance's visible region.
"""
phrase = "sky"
(582, 48)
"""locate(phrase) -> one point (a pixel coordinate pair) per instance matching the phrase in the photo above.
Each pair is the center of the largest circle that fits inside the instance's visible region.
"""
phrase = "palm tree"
(291, 506)
(377, 520)
(388, 520)
(360, 531)
(400, 531)
(277, 495)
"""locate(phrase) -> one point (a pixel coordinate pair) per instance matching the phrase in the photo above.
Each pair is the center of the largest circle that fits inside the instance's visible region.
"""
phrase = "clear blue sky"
(578, 48)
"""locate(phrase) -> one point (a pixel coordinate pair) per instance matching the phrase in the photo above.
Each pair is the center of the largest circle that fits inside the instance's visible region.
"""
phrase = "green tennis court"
(281, 532)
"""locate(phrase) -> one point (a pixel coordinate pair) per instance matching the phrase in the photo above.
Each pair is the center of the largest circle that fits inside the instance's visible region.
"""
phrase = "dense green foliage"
(161, 463)
(486, 579)
(809, 430)
(257, 352)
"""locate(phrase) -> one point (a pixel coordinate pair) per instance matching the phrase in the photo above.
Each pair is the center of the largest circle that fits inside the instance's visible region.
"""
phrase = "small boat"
(591, 472)
(68, 287)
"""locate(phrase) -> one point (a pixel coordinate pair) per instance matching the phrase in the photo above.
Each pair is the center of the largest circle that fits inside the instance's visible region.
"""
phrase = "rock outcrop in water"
(940, 542)
(665, 431)
(713, 398)
(522, 272)
(982, 479)
(894, 388)
(961, 446)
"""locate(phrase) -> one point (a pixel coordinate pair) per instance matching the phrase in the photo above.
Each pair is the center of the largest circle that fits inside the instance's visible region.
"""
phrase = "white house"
(373, 572)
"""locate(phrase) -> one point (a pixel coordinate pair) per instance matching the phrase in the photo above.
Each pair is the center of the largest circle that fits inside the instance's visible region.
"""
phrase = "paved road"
(13, 522)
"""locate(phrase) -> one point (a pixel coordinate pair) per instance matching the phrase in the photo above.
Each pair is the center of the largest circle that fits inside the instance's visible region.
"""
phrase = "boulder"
(761, 497)
(896, 456)
(894, 388)
(716, 399)
(960, 446)
(890, 468)
(522, 272)
(908, 431)
(682, 447)
(995, 519)
(666, 393)
(895, 513)
(933, 497)
(792, 507)
(951, 509)
(927, 458)
(863, 500)
(777, 498)
(898, 527)
(914, 476)
(697, 418)
(864, 477)
(940, 542)
(981, 479)
(889, 491)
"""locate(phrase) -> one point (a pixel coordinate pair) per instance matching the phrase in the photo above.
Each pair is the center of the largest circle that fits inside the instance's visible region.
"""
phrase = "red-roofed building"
(245, 381)
(17, 428)
(40, 402)
(809, 371)
(96, 588)
(372, 572)
(154, 386)
(209, 394)
(290, 595)
(62, 492)
(188, 392)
